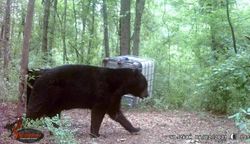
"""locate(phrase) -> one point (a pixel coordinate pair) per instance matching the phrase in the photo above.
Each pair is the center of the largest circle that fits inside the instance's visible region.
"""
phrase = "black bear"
(80, 86)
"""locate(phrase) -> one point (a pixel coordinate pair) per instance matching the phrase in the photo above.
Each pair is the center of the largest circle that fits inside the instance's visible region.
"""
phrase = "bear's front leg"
(97, 115)
(120, 118)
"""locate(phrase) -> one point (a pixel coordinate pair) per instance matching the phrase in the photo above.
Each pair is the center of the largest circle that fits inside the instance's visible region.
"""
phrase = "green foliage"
(227, 86)
(190, 41)
(242, 120)
(3, 88)
(9, 85)
(61, 135)
(169, 94)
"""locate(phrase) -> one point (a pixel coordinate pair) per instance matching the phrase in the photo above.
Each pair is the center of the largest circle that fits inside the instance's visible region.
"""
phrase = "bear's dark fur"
(33, 75)
(80, 86)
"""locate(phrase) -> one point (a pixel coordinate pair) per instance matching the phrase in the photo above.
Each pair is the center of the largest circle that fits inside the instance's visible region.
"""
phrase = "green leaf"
(248, 110)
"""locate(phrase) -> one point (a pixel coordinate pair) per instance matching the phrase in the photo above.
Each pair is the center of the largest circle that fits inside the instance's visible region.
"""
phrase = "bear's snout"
(144, 94)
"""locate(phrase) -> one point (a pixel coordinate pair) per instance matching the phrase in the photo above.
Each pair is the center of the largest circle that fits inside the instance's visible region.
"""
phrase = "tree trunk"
(52, 29)
(137, 27)
(91, 33)
(85, 13)
(1, 29)
(125, 27)
(45, 29)
(25, 57)
(105, 27)
(1, 41)
(75, 44)
(6, 38)
(65, 59)
(75, 18)
(214, 43)
(22, 22)
(231, 27)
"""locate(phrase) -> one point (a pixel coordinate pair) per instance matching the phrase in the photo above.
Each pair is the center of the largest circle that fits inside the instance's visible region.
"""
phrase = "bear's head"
(137, 84)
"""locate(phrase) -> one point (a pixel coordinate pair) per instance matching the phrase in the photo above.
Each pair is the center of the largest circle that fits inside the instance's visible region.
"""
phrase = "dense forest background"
(201, 47)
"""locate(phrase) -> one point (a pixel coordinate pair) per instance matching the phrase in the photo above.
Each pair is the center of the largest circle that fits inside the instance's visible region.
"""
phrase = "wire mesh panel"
(146, 67)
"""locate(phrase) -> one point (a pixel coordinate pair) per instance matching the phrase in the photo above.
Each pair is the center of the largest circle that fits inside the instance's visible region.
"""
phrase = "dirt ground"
(168, 127)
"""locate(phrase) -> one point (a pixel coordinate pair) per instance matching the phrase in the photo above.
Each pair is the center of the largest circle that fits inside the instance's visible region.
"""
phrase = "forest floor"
(158, 127)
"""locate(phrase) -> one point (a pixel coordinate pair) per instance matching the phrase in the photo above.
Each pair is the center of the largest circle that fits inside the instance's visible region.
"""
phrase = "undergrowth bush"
(9, 84)
(242, 120)
(172, 91)
(61, 135)
(226, 87)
